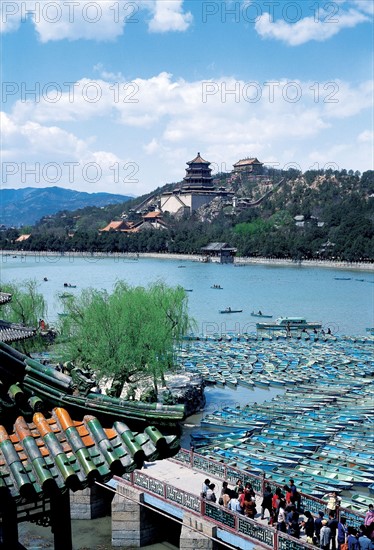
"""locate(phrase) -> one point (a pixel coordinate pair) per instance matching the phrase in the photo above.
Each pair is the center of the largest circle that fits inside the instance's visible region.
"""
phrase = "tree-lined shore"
(321, 215)
(331, 264)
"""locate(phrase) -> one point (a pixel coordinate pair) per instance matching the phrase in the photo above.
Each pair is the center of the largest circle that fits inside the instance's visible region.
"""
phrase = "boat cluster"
(319, 431)
(222, 360)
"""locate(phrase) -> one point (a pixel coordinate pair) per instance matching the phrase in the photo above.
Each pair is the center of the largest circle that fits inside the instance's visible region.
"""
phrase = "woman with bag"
(225, 496)
(342, 534)
(308, 525)
(249, 506)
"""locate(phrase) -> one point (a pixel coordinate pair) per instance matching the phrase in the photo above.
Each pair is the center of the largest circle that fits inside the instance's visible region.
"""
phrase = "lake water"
(94, 534)
(346, 306)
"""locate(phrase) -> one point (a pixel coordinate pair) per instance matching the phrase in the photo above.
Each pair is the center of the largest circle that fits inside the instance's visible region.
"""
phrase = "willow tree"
(26, 307)
(128, 335)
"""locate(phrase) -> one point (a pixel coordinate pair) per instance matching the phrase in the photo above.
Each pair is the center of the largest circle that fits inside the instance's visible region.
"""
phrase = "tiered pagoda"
(196, 190)
(198, 174)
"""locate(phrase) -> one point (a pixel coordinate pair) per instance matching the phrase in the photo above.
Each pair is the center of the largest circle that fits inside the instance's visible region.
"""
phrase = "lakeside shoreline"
(238, 261)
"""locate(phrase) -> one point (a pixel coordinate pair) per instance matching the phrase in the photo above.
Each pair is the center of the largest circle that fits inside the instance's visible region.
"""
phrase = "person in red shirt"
(289, 494)
(275, 504)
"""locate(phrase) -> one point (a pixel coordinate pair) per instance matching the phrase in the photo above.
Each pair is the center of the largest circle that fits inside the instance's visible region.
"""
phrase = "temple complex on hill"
(196, 190)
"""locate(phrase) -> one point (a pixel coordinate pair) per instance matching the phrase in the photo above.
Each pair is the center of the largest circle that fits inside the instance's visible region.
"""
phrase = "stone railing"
(228, 473)
(237, 524)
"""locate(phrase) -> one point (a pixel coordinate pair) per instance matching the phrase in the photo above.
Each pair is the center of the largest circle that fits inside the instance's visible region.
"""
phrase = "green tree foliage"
(127, 335)
(26, 307)
(341, 200)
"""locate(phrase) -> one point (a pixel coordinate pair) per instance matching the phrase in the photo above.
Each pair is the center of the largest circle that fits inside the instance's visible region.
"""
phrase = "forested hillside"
(318, 214)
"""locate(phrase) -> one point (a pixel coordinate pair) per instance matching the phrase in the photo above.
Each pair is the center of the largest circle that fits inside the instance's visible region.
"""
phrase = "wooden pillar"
(8, 510)
(61, 522)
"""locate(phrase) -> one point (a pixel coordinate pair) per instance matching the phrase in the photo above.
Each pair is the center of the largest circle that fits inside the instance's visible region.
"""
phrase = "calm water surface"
(94, 534)
(346, 306)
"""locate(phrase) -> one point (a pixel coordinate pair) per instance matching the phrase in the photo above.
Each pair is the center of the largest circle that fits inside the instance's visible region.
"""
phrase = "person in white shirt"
(234, 504)
(210, 494)
(205, 487)
(281, 520)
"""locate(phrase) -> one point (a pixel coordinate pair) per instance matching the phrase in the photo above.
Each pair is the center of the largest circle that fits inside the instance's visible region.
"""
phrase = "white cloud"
(168, 15)
(108, 75)
(100, 20)
(342, 100)
(152, 147)
(161, 122)
(356, 156)
(39, 156)
(367, 136)
(307, 28)
(62, 19)
(366, 6)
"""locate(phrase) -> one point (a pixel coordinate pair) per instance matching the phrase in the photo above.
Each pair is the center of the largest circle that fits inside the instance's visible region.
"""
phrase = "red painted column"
(276, 545)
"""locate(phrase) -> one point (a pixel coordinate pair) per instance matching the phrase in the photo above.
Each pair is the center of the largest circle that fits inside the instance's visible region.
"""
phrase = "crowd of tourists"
(282, 509)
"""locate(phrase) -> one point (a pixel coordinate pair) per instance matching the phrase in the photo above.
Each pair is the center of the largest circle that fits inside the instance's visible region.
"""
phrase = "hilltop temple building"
(198, 175)
(250, 166)
(196, 190)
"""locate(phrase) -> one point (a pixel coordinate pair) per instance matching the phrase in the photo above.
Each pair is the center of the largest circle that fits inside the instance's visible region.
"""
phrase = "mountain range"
(20, 207)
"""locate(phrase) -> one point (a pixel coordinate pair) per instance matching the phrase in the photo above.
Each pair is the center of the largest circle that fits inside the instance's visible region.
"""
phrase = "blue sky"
(126, 92)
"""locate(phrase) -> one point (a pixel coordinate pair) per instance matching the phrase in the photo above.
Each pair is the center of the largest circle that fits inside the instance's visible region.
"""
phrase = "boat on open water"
(290, 323)
(260, 314)
(229, 310)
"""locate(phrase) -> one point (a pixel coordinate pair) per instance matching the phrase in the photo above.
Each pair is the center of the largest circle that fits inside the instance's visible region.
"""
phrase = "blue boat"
(289, 442)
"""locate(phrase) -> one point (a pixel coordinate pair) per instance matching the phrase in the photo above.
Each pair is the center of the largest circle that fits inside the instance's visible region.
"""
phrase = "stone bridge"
(166, 495)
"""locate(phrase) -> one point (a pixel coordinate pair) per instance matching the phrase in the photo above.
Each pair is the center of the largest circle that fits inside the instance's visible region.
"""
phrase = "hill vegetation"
(317, 214)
